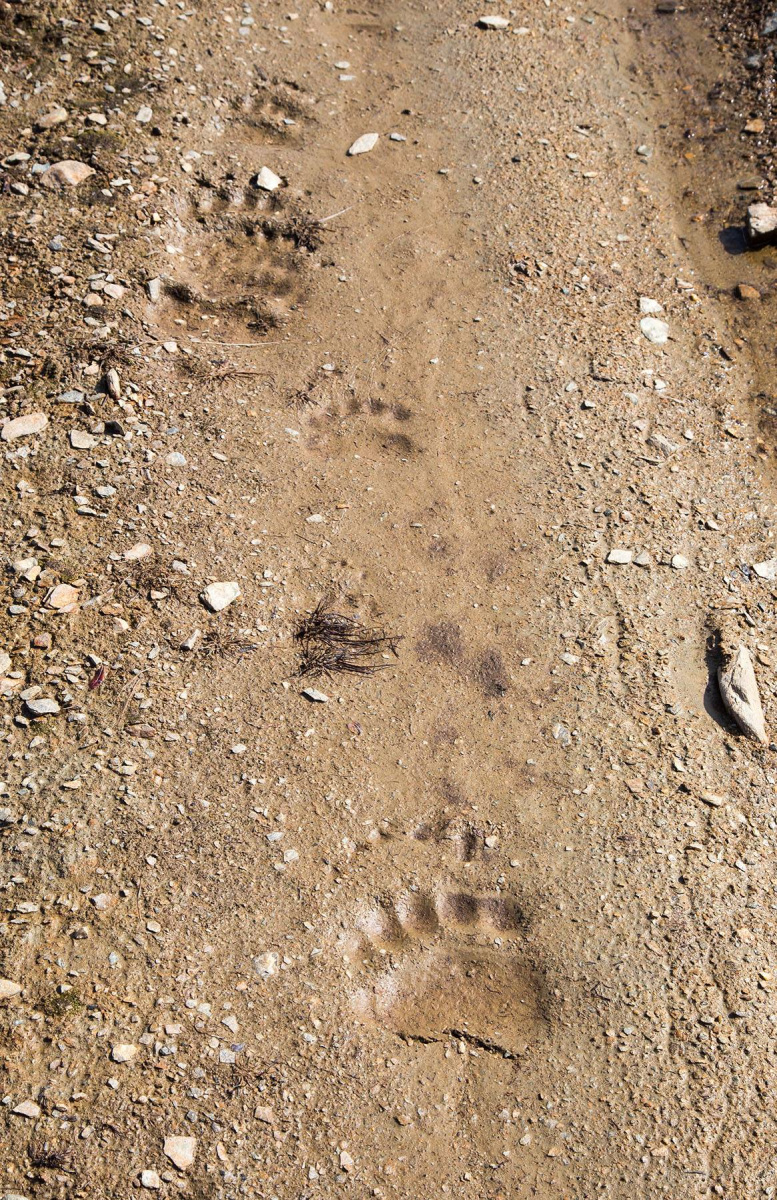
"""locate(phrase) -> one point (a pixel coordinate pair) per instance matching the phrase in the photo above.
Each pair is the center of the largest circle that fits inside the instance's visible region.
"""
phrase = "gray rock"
(24, 426)
(363, 144)
(42, 707)
(761, 224)
(739, 689)
(68, 173)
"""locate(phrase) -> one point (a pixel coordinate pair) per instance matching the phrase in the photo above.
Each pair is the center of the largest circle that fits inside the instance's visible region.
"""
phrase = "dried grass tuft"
(333, 642)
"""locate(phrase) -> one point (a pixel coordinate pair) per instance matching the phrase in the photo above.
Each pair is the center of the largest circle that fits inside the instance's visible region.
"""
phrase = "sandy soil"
(497, 919)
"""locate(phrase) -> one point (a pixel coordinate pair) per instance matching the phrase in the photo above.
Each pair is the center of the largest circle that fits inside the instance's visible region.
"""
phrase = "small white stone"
(9, 989)
(42, 707)
(267, 180)
(181, 1151)
(739, 689)
(493, 22)
(23, 426)
(766, 570)
(266, 964)
(679, 562)
(144, 114)
(654, 330)
(175, 459)
(81, 440)
(150, 1180)
(124, 1052)
(317, 697)
(620, 557)
(27, 1108)
(218, 595)
(363, 144)
(649, 307)
(139, 550)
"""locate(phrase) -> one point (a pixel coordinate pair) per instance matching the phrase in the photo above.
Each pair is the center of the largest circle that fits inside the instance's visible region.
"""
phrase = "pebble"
(766, 570)
(124, 1052)
(317, 697)
(679, 562)
(154, 289)
(654, 330)
(761, 225)
(649, 307)
(24, 426)
(27, 1108)
(266, 964)
(150, 1180)
(8, 989)
(739, 689)
(746, 291)
(363, 144)
(139, 550)
(493, 22)
(68, 173)
(175, 459)
(62, 596)
(620, 557)
(43, 706)
(219, 595)
(144, 114)
(711, 799)
(55, 116)
(181, 1151)
(267, 180)
(81, 440)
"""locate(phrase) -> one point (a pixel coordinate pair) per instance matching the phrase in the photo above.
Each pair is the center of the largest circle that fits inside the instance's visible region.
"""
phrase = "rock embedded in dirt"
(62, 596)
(746, 291)
(267, 180)
(761, 227)
(363, 144)
(138, 551)
(9, 989)
(620, 557)
(48, 120)
(144, 114)
(154, 289)
(317, 697)
(679, 562)
(218, 596)
(654, 330)
(124, 1052)
(150, 1180)
(27, 1108)
(42, 706)
(266, 964)
(81, 440)
(68, 173)
(493, 22)
(24, 426)
(739, 689)
(649, 307)
(181, 1151)
(766, 570)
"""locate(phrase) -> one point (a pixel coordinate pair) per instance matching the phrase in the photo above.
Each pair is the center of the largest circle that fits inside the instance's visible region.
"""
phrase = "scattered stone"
(267, 180)
(181, 1151)
(219, 595)
(124, 1052)
(150, 1180)
(42, 706)
(346, 1161)
(175, 459)
(68, 173)
(621, 557)
(642, 559)
(263, 1112)
(27, 1108)
(266, 964)
(663, 444)
(493, 22)
(9, 989)
(104, 901)
(5, 661)
(739, 689)
(62, 596)
(363, 144)
(761, 224)
(154, 289)
(746, 291)
(679, 562)
(81, 440)
(144, 114)
(55, 116)
(192, 640)
(139, 550)
(711, 799)
(654, 330)
(317, 697)
(649, 307)
(757, 125)
(24, 426)
(766, 570)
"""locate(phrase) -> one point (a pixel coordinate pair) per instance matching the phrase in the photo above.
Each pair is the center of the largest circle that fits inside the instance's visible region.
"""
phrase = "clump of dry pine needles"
(332, 641)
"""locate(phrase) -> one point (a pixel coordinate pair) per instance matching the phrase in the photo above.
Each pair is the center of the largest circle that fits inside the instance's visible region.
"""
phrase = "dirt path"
(496, 920)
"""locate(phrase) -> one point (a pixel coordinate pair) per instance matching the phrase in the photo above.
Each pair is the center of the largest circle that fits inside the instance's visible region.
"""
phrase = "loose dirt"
(496, 919)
